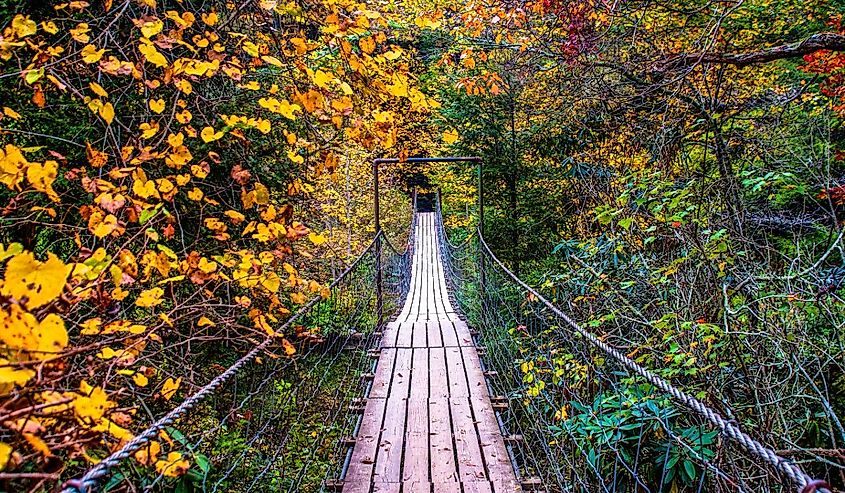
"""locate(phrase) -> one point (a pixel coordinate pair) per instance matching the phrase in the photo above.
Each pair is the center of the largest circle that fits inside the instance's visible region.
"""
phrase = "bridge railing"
(279, 411)
(589, 417)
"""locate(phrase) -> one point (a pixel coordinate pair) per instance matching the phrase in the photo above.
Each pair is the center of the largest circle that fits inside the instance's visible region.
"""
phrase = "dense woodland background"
(177, 177)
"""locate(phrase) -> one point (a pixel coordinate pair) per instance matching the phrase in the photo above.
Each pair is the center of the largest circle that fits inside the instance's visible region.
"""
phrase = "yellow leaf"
(93, 405)
(251, 48)
(90, 54)
(157, 105)
(298, 298)
(368, 44)
(38, 444)
(184, 117)
(205, 322)
(107, 426)
(322, 79)
(300, 45)
(210, 18)
(152, 27)
(195, 194)
(316, 238)
(148, 129)
(42, 176)
(80, 33)
(184, 86)
(38, 282)
(293, 156)
(272, 60)
(12, 166)
(140, 379)
(450, 136)
(399, 88)
(209, 135)
(24, 26)
(107, 113)
(51, 334)
(151, 54)
(145, 189)
(149, 454)
(150, 297)
(98, 89)
(288, 347)
(9, 378)
(5, 455)
(107, 353)
(11, 113)
(170, 387)
(271, 282)
(101, 226)
(174, 466)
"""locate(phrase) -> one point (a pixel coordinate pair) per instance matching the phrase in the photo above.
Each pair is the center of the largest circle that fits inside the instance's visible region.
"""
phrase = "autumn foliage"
(158, 167)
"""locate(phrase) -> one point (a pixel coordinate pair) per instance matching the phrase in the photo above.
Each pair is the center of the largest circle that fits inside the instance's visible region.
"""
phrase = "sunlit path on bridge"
(428, 422)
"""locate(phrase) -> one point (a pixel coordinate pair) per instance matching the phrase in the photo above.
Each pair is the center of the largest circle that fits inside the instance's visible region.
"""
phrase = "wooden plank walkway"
(428, 423)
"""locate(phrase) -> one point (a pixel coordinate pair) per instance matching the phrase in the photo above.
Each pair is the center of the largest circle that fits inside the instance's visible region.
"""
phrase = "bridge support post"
(482, 280)
(379, 267)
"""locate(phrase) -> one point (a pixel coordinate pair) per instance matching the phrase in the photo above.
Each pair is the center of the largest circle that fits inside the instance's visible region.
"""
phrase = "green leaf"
(32, 76)
(203, 463)
(689, 469)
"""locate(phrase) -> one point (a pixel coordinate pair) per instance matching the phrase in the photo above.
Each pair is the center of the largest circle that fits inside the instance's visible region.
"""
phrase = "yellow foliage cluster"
(159, 209)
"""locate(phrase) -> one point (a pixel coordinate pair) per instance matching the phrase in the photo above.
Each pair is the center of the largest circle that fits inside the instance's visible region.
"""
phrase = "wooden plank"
(470, 463)
(401, 373)
(384, 373)
(450, 336)
(416, 487)
(405, 335)
(507, 486)
(426, 298)
(366, 445)
(457, 373)
(438, 380)
(386, 487)
(419, 373)
(462, 333)
(391, 330)
(389, 456)
(441, 447)
(477, 384)
(357, 486)
(435, 338)
(446, 487)
(477, 487)
(499, 467)
(420, 335)
(415, 467)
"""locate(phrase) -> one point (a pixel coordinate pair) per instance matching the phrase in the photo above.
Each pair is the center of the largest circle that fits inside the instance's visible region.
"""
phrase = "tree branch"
(816, 42)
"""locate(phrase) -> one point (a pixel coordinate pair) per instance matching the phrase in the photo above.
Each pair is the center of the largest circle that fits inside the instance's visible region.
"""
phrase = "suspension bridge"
(435, 369)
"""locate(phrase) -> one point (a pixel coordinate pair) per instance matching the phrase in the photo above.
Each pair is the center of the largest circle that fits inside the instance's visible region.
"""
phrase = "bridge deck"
(429, 424)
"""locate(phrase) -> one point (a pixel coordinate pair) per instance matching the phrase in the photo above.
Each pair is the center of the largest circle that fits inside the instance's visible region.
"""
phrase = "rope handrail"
(805, 483)
(101, 470)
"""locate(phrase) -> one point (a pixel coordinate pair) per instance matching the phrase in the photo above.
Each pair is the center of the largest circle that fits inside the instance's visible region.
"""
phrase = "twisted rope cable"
(805, 483)
(102, 469)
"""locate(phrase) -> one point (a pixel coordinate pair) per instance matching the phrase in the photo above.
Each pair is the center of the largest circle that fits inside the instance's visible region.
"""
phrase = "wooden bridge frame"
(377, 214)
